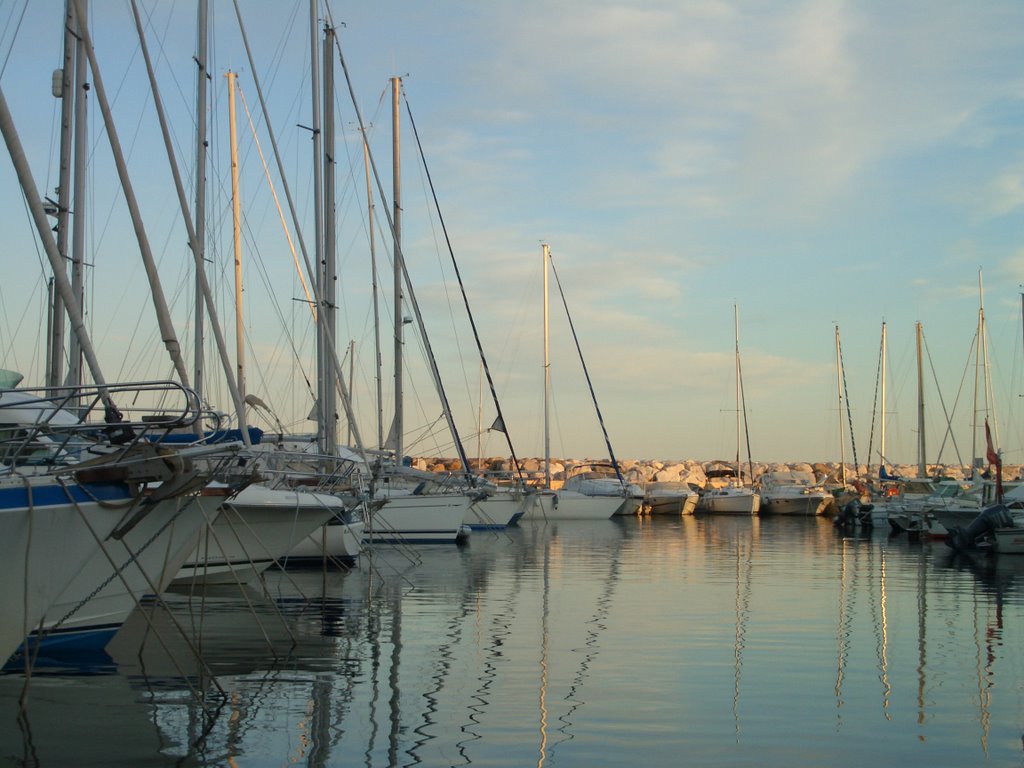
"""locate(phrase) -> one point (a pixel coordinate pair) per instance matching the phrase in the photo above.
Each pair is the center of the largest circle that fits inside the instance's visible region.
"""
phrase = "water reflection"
(569, 643)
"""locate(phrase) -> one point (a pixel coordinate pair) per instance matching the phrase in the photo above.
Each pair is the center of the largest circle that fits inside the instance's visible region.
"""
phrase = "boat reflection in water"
(725, 639)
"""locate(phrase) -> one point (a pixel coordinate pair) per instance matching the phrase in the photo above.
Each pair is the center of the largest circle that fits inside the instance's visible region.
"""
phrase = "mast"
(318, 228)
(922, 469)
(736, 325)
(194, 245)
(881, 449)
(329, 411)
(376, 303)
(79, 200)
(202, 24)
(547, 377)
(839, 391)
(61, 282)
(236, 215)
(396, 222)
(166, 326)
(62, 89)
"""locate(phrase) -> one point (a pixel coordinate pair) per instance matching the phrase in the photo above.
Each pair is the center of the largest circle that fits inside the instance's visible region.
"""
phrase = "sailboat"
(414, 507)
(726, 492)
(94, 508)
(568, 503)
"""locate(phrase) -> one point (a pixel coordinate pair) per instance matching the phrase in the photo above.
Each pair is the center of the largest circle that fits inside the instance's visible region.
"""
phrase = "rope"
(849, 413)
(586, 373)
(465, 298)
(874, 406)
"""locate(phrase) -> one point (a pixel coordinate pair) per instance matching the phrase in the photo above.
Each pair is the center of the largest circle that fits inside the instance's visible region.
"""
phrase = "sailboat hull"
(433, 518)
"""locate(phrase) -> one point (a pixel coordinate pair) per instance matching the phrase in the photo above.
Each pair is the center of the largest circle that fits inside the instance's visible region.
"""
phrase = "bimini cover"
(9, 379)
(24, 409)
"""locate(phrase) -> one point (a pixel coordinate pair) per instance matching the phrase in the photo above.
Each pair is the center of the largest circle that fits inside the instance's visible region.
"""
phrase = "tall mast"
(922, 469)
(329, 411)
(376, 303)
(163, 315)
(63, 90)
(236, 216)
(79, 201)
(202, 73)
(736, 324)
(839, 390)
(547, 377)
(881, 454)
(396, 182)
(322, 377)
(61, 282)
(186, 215)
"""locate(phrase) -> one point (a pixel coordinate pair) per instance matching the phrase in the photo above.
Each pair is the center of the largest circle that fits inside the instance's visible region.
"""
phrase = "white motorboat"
(670, 498)
(792, 492)
(599, 479)
(725, 493)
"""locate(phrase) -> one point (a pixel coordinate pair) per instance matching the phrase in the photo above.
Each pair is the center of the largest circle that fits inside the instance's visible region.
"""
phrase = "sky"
(805, 166)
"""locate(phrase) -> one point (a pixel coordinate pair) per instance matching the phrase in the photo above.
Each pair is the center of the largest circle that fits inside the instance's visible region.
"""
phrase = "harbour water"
(718, 641)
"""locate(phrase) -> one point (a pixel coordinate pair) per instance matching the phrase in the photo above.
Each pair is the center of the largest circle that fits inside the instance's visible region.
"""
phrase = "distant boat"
(599, 479)
(792, 492)
(726, 493)
(571, 502)
(670, 498)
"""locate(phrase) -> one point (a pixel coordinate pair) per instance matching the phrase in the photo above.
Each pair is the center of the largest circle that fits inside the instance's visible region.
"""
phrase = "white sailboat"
(728, 494)
(564, 503)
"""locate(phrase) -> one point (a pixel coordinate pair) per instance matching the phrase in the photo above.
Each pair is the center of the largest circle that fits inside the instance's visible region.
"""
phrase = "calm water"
(703, 641)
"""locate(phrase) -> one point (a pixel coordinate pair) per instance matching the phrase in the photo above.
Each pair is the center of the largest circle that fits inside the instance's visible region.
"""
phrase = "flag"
(991, 455)
(498, 426)
(993, 458)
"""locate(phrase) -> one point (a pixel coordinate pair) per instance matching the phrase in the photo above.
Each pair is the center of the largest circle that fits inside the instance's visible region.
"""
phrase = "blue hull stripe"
(54, 495)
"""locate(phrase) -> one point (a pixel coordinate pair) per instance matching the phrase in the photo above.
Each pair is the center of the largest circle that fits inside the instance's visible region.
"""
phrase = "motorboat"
(792, 492)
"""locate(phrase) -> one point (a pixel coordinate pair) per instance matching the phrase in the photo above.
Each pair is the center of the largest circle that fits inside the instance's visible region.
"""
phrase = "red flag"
(991, 455)
(993, 458)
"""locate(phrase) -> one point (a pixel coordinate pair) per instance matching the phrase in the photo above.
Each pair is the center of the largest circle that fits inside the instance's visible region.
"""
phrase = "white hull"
(45, 542)
(1009, 541)
(433, 518)
(569, 505)
(252, 531)
(630, 505)
(722, 503)
(147, 558)
(675, 504)
(496, 512)
(808, 505)
(336, 540)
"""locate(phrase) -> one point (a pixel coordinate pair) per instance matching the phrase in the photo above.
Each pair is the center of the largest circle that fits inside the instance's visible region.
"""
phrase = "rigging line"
(945, 413)
(874, 404)
(339, 379)
(746, 426)
(14, 36)
(272, 298)
(963, 381)
(277, 203)
(586, 373)
(849, 412)
(465, 298)
(411, 293)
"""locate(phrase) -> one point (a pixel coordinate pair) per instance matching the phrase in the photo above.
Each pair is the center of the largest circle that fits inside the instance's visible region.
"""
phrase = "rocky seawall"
(691, 470)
